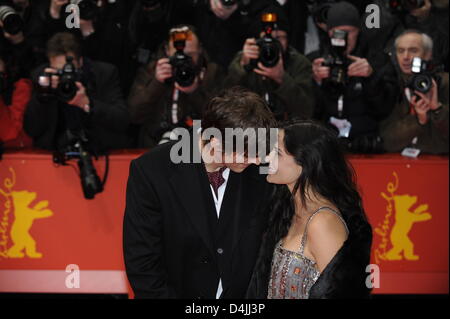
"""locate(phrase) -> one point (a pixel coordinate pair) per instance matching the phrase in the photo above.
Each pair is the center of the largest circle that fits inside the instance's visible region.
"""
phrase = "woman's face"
(283, 170)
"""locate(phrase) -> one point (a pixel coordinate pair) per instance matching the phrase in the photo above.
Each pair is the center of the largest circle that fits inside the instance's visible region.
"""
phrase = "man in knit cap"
(354, 107)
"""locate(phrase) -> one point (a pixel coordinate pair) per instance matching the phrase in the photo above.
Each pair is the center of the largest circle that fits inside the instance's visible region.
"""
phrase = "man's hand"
(423, 103)
(276, 73)
(55, 8)
(54, 78)
(189, 89)
(320, 72)
(221, 11)
(14, 39)
(163, 70)
(80, 100)
(422, 13)
(250, 52)
(359, 68)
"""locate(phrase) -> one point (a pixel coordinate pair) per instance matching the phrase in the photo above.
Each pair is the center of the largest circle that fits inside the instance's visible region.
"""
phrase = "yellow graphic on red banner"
(397, 237)
(22, 243)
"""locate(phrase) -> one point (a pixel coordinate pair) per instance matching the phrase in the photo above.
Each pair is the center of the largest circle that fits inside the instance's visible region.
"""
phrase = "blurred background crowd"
(130, 72)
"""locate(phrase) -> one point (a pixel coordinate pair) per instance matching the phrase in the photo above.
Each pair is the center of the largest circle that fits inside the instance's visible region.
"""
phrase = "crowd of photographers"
(130, 72)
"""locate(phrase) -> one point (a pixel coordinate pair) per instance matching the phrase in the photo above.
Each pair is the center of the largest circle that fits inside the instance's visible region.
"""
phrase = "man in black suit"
(185, 237)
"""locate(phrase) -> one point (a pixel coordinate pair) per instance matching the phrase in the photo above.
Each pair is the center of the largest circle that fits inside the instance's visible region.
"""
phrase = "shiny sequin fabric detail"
(293, 274)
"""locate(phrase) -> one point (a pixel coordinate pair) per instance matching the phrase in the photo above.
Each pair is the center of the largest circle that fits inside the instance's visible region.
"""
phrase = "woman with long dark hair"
(318, 241)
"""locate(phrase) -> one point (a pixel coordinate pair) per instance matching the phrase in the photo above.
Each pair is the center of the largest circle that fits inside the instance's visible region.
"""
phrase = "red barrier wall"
(47, 226)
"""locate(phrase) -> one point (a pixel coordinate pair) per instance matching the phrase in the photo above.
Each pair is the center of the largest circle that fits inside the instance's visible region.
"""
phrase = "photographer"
(419, 119)
(165, 96)
(14, 98)
(223, 25)
(351, 96)
(86, 99)
(282, 77)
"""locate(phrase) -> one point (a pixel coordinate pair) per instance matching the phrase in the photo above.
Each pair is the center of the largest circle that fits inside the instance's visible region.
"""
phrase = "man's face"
(353, 33)
(409, 47)
(192, 48)
(281, 36)
(57, 62)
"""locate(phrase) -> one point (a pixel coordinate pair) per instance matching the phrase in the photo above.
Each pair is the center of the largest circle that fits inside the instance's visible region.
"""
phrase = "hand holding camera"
(55, 8)
(320, 72)
(223, 9)
(425, 102)
(250, 52)
(163, 70)
(275, 73)
(359, 68)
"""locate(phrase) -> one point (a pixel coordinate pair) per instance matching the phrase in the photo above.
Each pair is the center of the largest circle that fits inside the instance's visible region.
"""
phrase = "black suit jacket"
(174, 244)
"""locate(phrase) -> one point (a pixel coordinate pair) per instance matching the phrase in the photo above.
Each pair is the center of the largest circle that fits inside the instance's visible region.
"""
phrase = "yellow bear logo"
(24, 218)
(404, 220)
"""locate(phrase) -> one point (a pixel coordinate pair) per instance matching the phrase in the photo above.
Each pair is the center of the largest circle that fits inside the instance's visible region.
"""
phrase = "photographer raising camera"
(420, 118)
(272, 68)
(171, 91)
(77, 95)
(351, 96)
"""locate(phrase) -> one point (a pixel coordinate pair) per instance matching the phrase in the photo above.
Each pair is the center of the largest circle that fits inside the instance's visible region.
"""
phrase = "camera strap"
(174, 110)
(341, 105)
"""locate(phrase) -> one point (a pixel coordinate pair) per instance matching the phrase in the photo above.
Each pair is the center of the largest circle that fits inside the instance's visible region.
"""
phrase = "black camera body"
(269, 48)
(11, 20)
(76, 149)
(67, 87)
(184, 69)
(405, 5)
(319, 10)
(422, 78)
(337, 59)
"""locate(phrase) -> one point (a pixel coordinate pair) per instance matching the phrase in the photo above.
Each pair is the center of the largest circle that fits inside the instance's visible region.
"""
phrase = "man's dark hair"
(63, 43)
(238, 108)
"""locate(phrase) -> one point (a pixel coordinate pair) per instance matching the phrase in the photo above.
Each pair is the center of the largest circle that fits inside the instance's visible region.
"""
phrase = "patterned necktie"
(216, 179)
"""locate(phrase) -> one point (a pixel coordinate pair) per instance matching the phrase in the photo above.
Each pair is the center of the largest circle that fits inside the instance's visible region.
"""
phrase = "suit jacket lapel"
(187, 183)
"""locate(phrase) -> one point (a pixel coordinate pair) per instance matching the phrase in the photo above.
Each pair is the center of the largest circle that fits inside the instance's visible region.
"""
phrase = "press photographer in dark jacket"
(285, 85)
(97, 108)
(420, 117)
(158, 103)
(354, 99)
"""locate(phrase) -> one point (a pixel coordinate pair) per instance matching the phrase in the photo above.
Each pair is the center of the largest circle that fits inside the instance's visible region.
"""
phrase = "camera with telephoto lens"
(337, 59)
(319, 10)
(67, 87)
(184, 69)
(405, 5)
(422, 78)
(11, 20)
(77, 149)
